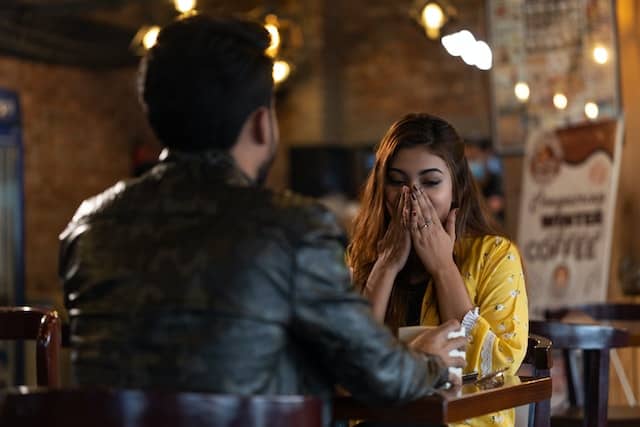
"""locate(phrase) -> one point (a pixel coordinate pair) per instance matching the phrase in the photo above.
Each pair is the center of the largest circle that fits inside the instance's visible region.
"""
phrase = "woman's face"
(417, 166)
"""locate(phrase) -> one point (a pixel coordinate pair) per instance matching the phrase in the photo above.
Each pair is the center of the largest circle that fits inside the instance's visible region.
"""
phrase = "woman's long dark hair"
(472, 219)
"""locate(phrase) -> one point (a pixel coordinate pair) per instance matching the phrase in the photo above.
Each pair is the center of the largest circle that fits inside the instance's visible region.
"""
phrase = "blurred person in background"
(486, 168)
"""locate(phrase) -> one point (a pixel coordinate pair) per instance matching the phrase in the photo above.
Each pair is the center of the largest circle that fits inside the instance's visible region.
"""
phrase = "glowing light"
(459, 42)
(281, 70)
(483, 55)
(560, 101)
(272, 28)
(591, 110)
(600, 54)
(522, 91)
(184, 6)
(274, 46)
(432, 19)
(150, 37)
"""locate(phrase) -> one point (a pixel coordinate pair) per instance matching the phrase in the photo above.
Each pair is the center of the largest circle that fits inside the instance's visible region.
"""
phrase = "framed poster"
(570, 181)
(555, 63)
(11, 229)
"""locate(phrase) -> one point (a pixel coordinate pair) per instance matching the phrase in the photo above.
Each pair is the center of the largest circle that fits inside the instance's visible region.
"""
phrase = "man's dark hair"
(203, 78)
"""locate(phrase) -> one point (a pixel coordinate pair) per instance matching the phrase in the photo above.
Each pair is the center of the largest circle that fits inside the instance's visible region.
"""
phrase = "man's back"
(191, 278)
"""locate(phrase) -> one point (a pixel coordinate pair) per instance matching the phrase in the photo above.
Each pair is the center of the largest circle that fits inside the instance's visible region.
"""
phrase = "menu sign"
(567, 207)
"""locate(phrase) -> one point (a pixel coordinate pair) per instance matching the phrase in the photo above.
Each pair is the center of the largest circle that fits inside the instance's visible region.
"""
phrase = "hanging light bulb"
(521, 89)
(433, 18)
(272, 25)
(150, 37)
(281, 71)
(184, 6)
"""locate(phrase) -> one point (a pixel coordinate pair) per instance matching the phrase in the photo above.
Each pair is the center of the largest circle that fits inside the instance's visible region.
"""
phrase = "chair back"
(538, 362)
(595, 341)
(43, 326)
(99, 407)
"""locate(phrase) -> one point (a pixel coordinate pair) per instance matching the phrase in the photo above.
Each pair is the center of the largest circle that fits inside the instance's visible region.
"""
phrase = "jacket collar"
(219, 160)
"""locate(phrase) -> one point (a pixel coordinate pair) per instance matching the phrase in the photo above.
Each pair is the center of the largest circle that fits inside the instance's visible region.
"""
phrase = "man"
(195, 277)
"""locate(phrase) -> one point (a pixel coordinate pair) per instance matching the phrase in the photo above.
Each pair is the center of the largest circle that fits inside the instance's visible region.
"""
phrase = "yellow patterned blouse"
(492, 272)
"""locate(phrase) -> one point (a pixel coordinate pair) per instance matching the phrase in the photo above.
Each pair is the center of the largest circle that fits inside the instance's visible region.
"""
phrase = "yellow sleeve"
(499, 336)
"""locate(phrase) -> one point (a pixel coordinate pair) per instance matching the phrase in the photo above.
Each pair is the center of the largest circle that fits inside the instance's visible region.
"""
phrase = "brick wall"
(79, 128)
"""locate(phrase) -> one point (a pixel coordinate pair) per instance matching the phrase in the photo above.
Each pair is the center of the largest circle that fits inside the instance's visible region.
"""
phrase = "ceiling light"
(184, 6)
(271, 25)
(432, 17)
(150, 37)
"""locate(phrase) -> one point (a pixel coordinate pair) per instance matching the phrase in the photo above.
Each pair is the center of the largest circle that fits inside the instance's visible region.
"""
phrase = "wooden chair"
(28, 323)
(621, 315)
(101, 407)
(588, 409)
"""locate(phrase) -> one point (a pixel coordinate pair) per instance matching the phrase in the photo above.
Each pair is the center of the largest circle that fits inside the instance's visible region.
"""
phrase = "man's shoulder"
(303, 214)
(96, 205)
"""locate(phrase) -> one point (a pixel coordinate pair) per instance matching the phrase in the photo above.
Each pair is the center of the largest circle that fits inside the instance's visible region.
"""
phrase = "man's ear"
(259, 126)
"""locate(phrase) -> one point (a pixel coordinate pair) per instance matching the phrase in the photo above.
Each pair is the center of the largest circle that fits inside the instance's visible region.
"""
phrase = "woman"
(425, 250)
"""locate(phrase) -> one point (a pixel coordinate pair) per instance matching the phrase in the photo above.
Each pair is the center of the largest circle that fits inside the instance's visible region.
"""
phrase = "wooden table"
(452, 405)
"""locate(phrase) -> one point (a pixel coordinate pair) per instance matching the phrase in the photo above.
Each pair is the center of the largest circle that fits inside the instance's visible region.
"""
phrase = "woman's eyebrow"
(424, 171)
(400, 171)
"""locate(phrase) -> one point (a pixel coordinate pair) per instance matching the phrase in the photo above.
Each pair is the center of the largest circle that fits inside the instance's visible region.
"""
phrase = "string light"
(522, 91)
(560, 101)
(600, 54)
(591, 110)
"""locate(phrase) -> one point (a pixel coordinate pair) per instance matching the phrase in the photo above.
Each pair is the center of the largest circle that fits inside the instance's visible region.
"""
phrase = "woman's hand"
(436, 341)
(394, 248)
(432, 242)
(434, 245)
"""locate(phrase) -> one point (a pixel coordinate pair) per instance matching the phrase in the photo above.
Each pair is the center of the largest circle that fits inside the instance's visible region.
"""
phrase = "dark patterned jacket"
(193, 278)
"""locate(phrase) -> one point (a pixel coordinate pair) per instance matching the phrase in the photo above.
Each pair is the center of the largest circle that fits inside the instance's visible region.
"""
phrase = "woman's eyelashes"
(396, 182)
(431, 183)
